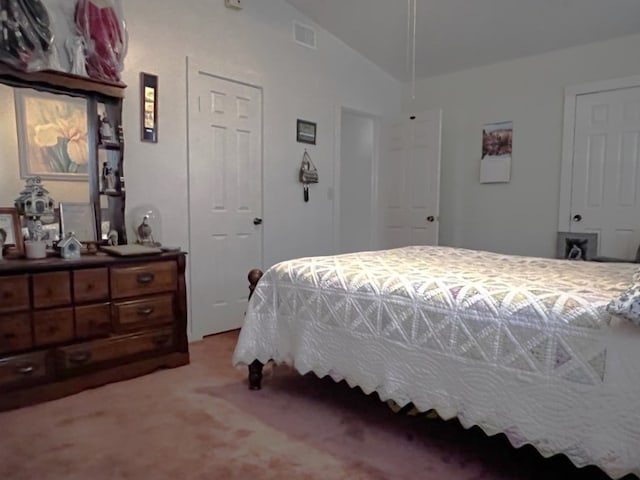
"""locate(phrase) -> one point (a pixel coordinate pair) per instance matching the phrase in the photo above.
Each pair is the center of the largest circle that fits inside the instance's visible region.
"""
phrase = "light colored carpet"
(201, 422)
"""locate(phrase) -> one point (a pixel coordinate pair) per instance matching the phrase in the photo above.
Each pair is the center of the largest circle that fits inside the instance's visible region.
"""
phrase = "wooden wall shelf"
(48, 78)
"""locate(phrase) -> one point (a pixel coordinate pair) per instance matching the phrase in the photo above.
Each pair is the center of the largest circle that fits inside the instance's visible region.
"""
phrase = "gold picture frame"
(52, 132)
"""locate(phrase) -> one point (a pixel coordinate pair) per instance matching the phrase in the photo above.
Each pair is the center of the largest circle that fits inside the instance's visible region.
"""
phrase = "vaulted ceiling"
(457, 34)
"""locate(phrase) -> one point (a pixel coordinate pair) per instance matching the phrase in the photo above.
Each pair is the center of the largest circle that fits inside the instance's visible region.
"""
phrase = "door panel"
(225, 177)
(411, 180)
(605, 186)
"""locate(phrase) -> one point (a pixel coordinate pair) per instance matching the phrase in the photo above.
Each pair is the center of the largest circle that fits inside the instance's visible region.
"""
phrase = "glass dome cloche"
(146, 225)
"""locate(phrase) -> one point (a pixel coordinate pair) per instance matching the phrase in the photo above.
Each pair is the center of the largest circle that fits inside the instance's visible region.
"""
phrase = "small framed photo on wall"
(306, 132)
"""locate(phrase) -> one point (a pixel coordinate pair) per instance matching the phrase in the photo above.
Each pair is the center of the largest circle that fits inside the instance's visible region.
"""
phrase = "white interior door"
(225, 198)
(410, 180)
(605, 193)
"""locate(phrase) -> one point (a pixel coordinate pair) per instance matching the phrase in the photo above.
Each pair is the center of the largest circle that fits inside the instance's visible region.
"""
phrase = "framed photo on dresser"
(10, 232)
(80, 219)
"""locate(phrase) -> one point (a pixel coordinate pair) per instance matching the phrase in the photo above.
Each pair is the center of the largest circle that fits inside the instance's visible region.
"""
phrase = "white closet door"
(410, 180)
(605, 195)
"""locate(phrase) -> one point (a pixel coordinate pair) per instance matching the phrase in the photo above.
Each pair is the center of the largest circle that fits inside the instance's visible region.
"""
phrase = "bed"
(517, 345)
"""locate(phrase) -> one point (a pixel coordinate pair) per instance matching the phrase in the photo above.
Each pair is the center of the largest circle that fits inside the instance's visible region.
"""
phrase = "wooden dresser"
(70, 325)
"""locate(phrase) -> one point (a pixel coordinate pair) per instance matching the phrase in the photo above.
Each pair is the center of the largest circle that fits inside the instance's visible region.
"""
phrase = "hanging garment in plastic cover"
(102, 25)
(26, 36)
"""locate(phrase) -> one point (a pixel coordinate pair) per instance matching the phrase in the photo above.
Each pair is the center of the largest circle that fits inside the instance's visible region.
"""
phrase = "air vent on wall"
(304, 35)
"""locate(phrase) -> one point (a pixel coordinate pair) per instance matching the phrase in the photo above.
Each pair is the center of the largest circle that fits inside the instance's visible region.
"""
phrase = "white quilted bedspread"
(518, 345)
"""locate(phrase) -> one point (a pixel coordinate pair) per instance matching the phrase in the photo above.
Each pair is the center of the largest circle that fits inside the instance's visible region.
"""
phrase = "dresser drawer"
(93, 320)
(14, 293)
(15, 332)
(91, 285)
(135, 280)
(155, 310)
(99, 351)
(53, 326)
(51, 289)
(23, 370)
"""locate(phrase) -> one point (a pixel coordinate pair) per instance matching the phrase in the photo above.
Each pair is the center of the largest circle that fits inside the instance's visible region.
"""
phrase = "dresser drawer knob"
(145, 278)
(161, 340)
(102, 326)
(79, 358)
(25, 369)
(145, 311)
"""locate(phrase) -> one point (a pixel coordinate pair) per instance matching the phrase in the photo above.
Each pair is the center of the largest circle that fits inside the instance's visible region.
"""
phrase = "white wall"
(356, 169)
(298, 83)
(521, 216)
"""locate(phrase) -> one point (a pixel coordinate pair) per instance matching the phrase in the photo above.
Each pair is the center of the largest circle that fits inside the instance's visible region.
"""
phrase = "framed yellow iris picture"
(52, 135)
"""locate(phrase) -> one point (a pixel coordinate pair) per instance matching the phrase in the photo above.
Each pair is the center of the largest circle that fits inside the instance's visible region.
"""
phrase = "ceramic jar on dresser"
(68, 325)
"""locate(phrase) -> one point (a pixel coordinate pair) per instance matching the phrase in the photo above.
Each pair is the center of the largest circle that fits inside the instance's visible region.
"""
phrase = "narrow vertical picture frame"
(148, 107)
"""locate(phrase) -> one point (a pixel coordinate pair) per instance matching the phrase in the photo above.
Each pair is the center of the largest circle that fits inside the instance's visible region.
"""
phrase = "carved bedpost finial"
(254, 277)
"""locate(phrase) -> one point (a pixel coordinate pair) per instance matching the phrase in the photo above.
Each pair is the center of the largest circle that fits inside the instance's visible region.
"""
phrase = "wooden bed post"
(255, 369)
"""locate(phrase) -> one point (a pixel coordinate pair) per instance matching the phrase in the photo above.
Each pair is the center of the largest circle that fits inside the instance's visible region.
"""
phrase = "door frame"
(571, 94)
(230, 73)
(374, 241)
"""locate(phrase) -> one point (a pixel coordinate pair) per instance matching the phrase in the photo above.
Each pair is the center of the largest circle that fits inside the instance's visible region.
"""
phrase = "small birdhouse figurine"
(70, 247)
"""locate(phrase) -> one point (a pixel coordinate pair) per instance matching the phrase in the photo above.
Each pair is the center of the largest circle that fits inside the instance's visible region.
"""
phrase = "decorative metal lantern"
(34, 202)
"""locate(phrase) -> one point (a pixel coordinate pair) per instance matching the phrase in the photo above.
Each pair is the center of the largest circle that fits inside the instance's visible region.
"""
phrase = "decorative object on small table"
(108, 180)
(12, 244)
(577, 246)
(105, 129)
(144, 232)
(308, 174)
(147, 225)
(112, 238)
(36, 205)
(51, 229)
(70, 247)
(35, 249)
(306, 132)
(149, 107)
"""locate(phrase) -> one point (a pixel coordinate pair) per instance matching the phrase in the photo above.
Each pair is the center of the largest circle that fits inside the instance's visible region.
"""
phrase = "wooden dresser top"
(11, 266)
